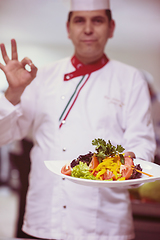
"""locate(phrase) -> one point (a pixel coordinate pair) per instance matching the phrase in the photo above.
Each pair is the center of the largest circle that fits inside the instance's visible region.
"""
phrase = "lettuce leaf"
(82, 171)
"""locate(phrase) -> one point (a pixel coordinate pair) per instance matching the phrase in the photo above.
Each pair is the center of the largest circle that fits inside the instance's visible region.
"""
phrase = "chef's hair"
(108, 13)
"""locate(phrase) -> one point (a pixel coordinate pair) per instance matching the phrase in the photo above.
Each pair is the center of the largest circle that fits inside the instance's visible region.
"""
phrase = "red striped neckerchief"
(81, 70)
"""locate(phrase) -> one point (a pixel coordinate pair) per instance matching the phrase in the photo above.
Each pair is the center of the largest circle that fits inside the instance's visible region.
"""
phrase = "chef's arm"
(139, 134)
(14, 121)
(17, 76)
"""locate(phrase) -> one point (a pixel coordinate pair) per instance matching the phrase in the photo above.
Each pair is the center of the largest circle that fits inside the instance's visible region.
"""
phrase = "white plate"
(148, 167)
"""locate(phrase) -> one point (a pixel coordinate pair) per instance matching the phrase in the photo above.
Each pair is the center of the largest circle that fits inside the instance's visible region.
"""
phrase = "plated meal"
(106, 167)
(107, 163)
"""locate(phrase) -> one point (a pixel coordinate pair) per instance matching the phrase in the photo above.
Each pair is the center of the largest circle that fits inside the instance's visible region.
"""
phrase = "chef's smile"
(89, 41)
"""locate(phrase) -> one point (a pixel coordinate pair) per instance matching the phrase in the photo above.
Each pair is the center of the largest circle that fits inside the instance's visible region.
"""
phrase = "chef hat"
(88, 5)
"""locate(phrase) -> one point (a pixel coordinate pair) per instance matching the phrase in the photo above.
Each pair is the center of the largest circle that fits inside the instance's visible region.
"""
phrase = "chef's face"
(89, 32)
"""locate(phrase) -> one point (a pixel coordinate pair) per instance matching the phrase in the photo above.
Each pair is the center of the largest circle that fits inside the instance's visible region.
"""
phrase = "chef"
(66, 106)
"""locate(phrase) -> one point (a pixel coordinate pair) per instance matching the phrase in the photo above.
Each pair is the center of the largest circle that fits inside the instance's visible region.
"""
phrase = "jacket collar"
(82, 69)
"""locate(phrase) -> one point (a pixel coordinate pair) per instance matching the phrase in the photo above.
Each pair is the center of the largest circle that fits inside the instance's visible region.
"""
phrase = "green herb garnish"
(107, 150)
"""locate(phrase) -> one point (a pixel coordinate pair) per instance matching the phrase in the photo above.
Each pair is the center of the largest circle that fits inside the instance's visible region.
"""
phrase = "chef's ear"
(111, 28)
(68, 29)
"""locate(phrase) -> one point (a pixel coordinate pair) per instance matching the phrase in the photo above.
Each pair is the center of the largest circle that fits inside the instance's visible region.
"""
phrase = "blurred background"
(39, 26)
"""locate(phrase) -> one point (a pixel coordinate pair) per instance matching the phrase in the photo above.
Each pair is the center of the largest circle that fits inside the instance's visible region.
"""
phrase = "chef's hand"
(130, 154)
(17, 76)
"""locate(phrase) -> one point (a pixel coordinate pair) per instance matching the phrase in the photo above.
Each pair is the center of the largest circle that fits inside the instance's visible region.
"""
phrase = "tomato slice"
(66, 169)
(94, 162)
(128, 161)
(108, 175)
(126, 171)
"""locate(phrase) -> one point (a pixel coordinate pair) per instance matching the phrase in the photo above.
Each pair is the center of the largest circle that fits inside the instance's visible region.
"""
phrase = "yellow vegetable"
(111, 163)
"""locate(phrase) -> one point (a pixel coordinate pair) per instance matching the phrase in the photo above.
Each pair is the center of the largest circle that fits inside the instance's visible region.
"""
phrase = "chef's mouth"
(89, 40)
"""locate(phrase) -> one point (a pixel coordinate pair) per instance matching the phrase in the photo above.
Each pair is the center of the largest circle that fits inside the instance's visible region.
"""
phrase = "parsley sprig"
(104, 150)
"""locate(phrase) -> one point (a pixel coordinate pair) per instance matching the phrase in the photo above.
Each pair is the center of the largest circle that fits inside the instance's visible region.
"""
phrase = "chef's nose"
(88, 28)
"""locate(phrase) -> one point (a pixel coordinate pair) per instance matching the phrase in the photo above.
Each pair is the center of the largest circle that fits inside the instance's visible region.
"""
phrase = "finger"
(34, 70)
(26, 61)
(14, 49)
(4, 53)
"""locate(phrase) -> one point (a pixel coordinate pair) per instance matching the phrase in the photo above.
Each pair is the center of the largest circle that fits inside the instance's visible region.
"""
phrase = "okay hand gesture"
(16, 74)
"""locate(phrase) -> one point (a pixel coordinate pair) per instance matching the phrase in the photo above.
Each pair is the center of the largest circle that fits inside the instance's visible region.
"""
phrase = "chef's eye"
(78, 20)
(98, 20)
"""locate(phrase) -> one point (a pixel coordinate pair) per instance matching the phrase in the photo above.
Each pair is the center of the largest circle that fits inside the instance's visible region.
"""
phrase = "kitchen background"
(39, 28)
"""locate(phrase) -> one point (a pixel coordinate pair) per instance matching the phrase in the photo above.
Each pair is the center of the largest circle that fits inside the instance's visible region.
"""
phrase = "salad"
(106, 163)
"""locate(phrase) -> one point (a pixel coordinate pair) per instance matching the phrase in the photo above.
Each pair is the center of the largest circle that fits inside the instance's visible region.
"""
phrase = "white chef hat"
(89, 5)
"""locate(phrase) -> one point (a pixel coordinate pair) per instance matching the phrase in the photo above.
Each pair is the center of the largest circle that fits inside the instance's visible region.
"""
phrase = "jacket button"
(64, 206)
(67, 77)
(62, 97)
(64, 149)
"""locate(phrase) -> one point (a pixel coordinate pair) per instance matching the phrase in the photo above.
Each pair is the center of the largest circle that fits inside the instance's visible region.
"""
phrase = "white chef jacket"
(114, 105)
